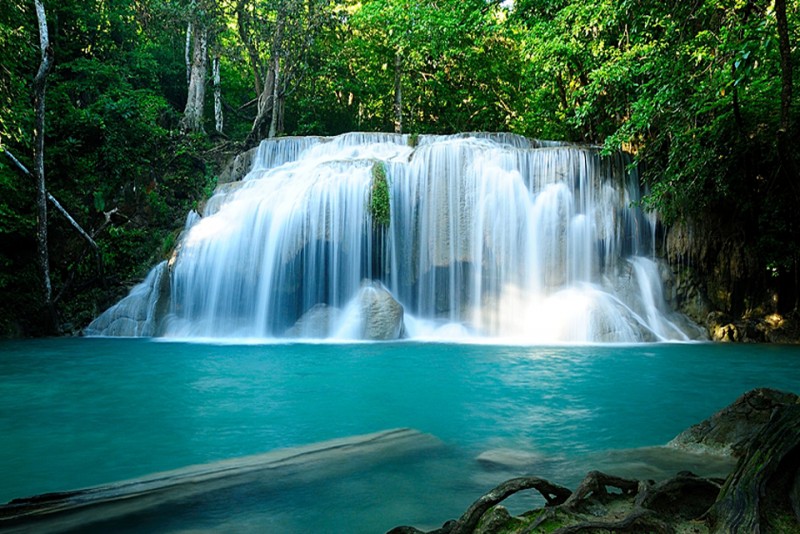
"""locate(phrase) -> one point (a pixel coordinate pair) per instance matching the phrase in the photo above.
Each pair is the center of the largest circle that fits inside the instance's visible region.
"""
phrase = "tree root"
(552, 493)
(639, 520)
(765, 481)
(596, 485)
(762, 494)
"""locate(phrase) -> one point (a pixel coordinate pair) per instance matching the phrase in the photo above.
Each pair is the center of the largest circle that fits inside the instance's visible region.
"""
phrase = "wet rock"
(381, 314)
(512, 459)
(729, 431)
(238, 167)
(138, 314)
(315, 323)
(721, 328)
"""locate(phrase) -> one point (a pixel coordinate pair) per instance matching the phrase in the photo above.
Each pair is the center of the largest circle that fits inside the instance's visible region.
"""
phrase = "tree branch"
(65, 213)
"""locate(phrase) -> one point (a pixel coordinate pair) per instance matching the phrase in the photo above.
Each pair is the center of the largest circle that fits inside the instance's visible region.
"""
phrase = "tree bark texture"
(187, 52)
(39, 87)
(219, 118)
(267, 100)
(764, 485)
(273, 124)
(260, 127)
(192, 120)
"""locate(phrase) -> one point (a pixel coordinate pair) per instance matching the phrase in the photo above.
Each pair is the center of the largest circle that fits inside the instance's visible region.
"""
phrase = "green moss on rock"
(379, 195)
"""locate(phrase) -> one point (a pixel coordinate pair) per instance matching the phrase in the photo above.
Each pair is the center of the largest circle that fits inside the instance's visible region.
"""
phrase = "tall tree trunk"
(187, 52)
(242, 19)
(398, 93)
(218, 117)
(267, 101)
(281, 108)
(66, 214)
(261, 123)
(39, 86)
(192, 120)
(273, 125)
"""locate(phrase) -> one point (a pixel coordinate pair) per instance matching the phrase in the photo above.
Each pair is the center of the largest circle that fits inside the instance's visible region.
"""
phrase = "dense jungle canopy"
(147, 99)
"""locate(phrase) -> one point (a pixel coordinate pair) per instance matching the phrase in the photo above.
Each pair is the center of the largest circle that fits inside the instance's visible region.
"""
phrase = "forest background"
(148, 99)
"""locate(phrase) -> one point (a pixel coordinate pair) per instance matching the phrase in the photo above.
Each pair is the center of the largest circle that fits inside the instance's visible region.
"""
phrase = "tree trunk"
(764, 485)
(281, 109)
(192, 120)
(398, 93)
(242, 22)
(66, 215)
(260, 126)
(273, 125)
(39, 86)
(267, 100)
(218, 116)
(187, 53)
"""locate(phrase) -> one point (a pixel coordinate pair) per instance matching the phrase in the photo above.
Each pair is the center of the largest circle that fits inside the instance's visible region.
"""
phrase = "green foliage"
(379, 204)
(460, 69)
(692, 89)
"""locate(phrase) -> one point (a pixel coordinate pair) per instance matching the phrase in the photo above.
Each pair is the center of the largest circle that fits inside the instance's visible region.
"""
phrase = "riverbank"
(761, 429)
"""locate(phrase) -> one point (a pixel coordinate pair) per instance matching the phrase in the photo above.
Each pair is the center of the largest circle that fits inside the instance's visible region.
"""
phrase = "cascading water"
(490, 235)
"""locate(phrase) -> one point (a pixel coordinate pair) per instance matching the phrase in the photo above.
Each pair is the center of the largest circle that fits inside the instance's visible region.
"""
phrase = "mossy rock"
(379, 205)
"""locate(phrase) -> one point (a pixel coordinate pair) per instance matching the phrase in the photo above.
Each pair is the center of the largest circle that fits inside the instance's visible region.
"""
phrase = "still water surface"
(79, 412)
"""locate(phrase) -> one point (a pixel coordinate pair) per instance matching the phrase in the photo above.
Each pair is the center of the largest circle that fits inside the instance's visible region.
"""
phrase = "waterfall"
(138, 313)
(490, 236)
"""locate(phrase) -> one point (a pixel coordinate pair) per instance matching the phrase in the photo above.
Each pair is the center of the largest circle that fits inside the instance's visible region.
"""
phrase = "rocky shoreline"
(760, 431)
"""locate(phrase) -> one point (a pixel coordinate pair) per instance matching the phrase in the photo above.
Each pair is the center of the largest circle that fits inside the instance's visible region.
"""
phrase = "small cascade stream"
(491, 236)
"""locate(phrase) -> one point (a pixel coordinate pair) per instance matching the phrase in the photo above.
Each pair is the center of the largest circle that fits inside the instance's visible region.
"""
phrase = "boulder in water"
(381, 315)
(729, 431)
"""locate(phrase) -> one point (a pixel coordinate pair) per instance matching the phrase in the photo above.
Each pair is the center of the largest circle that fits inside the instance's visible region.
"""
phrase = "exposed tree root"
(762, 495)
(639, 520)
(553, 494)
(596, 485)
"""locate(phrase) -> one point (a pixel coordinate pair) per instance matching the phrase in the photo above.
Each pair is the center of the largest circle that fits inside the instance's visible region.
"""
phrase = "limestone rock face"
(728, 431)
(721, 328)
(238, 167)
(381, 314)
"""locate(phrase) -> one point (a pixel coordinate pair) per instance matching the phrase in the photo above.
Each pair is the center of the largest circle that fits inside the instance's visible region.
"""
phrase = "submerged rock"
(503, 458)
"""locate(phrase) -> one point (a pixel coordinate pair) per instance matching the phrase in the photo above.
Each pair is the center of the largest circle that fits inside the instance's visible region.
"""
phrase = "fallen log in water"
(70, 509)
